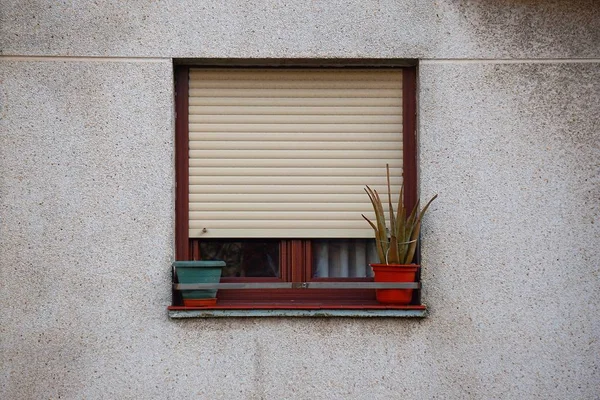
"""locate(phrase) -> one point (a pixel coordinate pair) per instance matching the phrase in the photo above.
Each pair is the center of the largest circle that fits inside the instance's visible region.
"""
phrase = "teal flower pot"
(190, 272)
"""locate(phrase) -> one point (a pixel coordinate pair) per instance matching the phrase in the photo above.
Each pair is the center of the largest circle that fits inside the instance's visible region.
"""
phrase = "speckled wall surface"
(509, 137)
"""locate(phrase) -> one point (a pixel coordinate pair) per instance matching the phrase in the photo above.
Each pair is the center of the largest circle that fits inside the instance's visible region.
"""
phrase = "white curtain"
(343, 258)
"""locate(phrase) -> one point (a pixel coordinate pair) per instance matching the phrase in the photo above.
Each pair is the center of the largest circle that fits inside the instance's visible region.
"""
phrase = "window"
(271, 164)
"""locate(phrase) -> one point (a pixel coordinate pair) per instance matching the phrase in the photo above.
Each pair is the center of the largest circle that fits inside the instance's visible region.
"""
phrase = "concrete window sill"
(352, 312)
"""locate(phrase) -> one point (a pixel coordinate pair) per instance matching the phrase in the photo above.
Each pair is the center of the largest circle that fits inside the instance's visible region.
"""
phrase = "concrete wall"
(509, 138)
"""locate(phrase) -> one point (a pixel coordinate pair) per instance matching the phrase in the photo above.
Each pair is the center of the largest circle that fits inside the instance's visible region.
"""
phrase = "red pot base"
(395, 273)
(200, 302)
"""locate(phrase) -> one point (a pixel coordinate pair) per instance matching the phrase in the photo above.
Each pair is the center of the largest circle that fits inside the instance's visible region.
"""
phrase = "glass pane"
(246, 258)
(343, 258)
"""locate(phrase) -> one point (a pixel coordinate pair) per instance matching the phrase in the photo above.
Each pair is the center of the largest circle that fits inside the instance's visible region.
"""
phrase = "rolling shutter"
(286, 153)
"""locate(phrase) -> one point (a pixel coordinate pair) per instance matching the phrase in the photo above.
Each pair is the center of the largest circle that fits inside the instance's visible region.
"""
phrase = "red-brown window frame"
(295, 254)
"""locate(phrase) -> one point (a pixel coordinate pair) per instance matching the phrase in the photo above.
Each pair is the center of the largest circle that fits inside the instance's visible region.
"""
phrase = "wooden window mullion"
(297, 260)
(308, 261)
(284, 261)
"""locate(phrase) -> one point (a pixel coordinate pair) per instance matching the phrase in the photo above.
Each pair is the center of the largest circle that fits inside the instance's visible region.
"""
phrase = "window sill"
(297, 310)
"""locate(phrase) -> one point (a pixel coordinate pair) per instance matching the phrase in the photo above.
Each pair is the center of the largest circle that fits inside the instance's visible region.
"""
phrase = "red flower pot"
(395, 273)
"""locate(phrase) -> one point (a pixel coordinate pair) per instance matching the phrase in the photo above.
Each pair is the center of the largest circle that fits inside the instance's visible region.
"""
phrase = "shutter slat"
(322, 216)
(242, 206)
(298, 120)
(270, 74)
(358, 198)
(278, 224)
(279, 145)
(287, 232)
(319, 93)
(297, 102)
(293, 84)
(283, 189)
(362, 137)
(295, 163)
(295, 128)
(326, 155)
(246, 171)
(293, 110)
(293, 180)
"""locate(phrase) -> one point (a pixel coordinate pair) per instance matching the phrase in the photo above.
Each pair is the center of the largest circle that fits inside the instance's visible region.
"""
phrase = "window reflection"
(243, 258)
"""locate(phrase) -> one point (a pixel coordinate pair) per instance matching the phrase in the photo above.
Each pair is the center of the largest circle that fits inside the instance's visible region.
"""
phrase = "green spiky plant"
(396, 245)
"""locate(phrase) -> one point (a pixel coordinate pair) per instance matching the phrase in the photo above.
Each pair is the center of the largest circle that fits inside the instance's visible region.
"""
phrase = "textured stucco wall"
(298, 28)
(509, 138)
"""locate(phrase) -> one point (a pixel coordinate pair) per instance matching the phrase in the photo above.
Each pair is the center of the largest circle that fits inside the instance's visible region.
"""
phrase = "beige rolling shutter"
(287, 152)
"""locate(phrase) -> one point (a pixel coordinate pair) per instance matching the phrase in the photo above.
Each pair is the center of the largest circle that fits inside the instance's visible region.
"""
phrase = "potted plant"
(191, 272)
(396, 245)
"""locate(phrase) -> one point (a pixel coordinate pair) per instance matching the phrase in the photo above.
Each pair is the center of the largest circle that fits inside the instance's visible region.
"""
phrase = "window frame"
(295, 254)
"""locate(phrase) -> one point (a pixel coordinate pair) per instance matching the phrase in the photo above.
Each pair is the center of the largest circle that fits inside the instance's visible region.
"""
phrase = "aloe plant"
(396, 245)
